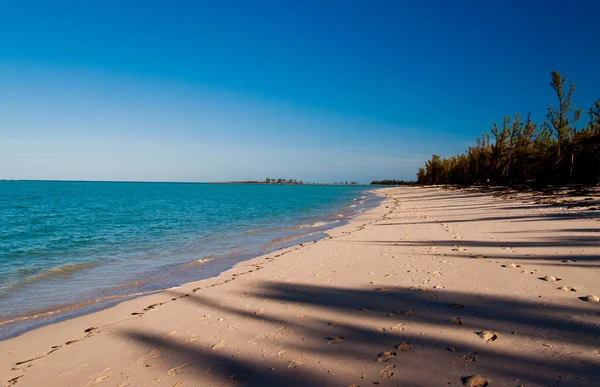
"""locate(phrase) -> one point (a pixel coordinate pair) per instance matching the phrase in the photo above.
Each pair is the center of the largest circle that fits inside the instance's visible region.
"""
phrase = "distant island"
(282, 181)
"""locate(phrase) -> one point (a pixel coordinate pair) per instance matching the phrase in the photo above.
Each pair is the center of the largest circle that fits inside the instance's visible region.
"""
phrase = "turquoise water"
(68, 247)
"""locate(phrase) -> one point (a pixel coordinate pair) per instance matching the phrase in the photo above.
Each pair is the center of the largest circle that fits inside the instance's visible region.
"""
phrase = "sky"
(314, 90)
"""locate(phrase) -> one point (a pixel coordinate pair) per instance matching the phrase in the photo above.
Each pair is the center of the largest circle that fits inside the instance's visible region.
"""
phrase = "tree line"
(518, 151)
(393, 182)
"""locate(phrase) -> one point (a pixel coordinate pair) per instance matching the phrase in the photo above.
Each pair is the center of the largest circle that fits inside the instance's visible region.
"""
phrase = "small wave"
(59, 271)
(353, 205)
(55, 272)
(320, 224)
(202, 260)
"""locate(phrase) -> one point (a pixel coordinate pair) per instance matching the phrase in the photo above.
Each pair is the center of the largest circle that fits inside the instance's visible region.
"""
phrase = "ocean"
(68, 248)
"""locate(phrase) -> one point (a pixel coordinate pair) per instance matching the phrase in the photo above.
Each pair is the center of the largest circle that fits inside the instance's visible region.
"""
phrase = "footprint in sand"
(154, 354)
(99, 378)
(487, 335)
(385, 356)
(568, 289)
(388, 371)
(550, 278)
(335, 339)
(470, 357)
(175, 370)
(404, 346)
(217, 347)
(590, 298)
(398, 327)
(475, 381)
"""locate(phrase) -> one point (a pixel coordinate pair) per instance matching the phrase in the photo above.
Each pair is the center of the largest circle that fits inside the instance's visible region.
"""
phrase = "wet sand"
(428, 289)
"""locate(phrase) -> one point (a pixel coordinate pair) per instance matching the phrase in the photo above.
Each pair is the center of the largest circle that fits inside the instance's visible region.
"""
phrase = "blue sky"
(314, 90)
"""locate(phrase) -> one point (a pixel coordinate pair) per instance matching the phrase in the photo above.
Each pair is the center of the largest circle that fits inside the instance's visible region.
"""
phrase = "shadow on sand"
(529, 323)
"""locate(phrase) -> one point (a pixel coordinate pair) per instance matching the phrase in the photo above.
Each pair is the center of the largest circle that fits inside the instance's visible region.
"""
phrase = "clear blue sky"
(315, 90)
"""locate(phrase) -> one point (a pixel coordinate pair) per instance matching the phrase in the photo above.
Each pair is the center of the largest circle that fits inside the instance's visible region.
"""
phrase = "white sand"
(397, 297)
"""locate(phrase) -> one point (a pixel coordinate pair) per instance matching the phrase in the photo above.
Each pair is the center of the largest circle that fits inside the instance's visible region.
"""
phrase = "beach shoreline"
(329, 311)
(173, 274)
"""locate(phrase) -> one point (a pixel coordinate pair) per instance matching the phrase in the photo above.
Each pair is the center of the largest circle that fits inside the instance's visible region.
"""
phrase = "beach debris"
(336, 323)
(475, 381)
(388, 371)
(470, 357)
(488, 335)
(404, 346)
(385, 356)
(292, 365)
(363, 310)
(591, 298)
(381, 289)
(335, 339)
(550, 278)
(568, 288)
(456, 321)
(380, 331)
(438, 287)
(511, 266)
(451, 349)
(280, 354)
(410, 313)
(456, 306)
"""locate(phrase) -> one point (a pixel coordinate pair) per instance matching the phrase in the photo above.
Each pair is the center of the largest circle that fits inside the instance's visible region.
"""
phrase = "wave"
(55, 272)
(319, 224)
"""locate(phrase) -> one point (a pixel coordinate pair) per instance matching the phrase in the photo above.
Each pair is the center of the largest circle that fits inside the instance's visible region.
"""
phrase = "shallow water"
(68, 247)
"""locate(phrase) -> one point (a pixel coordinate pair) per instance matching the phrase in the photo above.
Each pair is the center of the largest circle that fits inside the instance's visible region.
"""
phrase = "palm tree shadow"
(399, 307)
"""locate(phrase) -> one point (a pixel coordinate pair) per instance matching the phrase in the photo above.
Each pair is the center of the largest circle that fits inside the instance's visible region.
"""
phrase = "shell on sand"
(488, 335)
(475, 381)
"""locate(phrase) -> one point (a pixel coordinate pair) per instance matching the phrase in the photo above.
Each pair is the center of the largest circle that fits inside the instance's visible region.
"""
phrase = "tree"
(563, 118)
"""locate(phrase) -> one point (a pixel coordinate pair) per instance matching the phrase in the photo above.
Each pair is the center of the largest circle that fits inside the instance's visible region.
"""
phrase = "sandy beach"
(428, 289)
